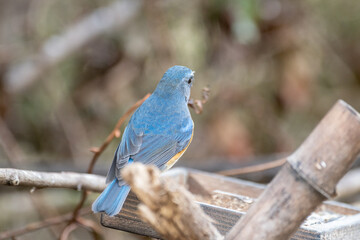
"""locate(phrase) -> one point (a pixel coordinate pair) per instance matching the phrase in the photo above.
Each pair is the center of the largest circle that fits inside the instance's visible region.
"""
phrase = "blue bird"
(158, 133)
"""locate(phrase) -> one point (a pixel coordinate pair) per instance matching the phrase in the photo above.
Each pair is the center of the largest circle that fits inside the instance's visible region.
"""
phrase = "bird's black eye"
(189, 81)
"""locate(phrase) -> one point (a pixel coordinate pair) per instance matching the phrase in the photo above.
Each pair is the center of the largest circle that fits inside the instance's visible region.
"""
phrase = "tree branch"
(77, 181)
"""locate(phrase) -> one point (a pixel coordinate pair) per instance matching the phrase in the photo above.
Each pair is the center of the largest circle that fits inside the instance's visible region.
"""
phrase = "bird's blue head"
(176, 82)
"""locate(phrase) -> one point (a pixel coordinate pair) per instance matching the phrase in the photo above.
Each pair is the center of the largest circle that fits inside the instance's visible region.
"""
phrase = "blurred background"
(274, 67)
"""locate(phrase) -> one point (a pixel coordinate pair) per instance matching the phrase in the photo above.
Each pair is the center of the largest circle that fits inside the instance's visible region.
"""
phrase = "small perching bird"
(158, 133)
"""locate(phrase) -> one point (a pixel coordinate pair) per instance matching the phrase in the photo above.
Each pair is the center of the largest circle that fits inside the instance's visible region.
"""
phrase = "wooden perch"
(167, 206)
(57, 48)
(77, 181)
(309, 176)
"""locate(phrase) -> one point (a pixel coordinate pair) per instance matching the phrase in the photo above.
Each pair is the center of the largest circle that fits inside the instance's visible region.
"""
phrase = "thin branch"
(198, 104)
(57, 48)
(97, 152)
(115, 132)
(252, 169)
(42, 224)
(67, 230)
(77, 181)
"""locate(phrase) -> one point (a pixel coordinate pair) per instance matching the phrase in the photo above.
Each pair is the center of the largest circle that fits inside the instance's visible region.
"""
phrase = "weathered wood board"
(226, 199)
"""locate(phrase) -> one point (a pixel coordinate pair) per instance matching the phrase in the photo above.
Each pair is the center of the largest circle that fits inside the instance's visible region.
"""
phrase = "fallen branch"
(57, 48)
(77, 181)
(168, 207)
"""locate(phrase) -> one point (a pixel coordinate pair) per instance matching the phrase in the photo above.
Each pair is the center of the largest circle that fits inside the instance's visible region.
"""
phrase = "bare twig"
(115, 133)
(97, 152)
(197, 104)
(69, 228)
(167, 206)
(42, 224)
(57, 48)
(77, 181)
(252, 169)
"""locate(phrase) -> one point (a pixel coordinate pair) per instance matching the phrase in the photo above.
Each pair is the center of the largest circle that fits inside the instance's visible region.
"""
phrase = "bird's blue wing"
(130, 144)
(159, 149)
(156, 149)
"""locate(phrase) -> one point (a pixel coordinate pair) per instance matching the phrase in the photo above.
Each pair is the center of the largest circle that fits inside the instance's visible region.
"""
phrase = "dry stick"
(167, 206)
(57, 48)
(252, 169)
(42, 224)
(68, 180)
(97, 152)
(198, 104)
(72, 180)
(115, 132)
(309, 177)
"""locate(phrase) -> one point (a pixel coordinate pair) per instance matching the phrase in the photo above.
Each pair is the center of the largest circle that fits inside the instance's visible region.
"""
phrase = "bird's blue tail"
(111, 199)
